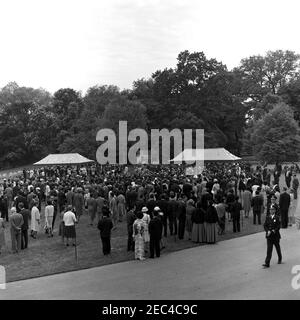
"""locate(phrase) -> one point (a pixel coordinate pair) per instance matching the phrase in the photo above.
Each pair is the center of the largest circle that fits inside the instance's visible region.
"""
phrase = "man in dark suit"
(151, 203)
(155, 231)
(163, 205)
(131, 217)
(20, 198)
(181, 216)
(229, 201)
(295, 185)
(236, 208)
(284, 204)
(272, 226)
(24, 230)
(257, 203)
(172, 210)
(105, 225)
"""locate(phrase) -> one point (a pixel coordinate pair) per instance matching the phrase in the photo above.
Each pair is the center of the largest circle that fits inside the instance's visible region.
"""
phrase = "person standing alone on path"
(272, 227)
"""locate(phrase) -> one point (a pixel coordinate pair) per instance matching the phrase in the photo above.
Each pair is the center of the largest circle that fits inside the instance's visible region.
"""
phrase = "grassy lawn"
(46, 256)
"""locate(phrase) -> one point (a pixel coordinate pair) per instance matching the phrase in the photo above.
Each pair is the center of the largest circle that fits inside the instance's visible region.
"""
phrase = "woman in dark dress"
(210, 220)
(198, 232)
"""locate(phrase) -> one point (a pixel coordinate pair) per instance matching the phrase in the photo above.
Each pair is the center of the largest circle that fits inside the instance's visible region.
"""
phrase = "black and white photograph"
(149, 151)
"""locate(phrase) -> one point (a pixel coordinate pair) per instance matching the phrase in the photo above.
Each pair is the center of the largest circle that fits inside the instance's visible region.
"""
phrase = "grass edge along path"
(47, 256)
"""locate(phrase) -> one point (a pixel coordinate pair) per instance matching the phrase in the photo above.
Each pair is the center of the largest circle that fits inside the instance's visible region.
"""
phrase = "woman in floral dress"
(138, 236)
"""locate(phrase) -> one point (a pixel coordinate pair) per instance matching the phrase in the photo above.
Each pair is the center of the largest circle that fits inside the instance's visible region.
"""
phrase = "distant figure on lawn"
(105, 226)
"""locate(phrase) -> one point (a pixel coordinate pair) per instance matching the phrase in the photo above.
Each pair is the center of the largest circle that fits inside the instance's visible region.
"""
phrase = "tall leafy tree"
(67, 106)
(267, 74)
(275, 136)
(290, 93)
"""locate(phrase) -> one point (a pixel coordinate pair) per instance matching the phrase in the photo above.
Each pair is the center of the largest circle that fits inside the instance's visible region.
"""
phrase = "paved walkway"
(228, 270)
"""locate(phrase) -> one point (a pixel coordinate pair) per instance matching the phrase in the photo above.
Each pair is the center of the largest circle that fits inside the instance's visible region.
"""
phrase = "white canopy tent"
(63, 159)
(212, 154)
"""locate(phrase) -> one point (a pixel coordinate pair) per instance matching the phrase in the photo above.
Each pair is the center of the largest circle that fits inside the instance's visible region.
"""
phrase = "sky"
(81, 43)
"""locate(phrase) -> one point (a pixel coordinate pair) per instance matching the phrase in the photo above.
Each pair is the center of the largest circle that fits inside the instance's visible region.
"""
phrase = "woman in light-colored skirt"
(146, 236)
(198, 231)
(49, 213)
(189, 212)
(35, 220)
(246, 200)
(138, 236)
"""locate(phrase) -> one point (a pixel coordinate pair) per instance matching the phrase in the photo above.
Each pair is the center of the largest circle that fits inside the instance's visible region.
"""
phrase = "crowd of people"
(155, 201)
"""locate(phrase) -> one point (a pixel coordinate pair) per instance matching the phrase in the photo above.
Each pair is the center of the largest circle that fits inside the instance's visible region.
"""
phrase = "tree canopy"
(236, 108)
(275, 137)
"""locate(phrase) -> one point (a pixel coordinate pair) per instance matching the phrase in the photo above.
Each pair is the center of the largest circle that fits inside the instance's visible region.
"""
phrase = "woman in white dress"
(138, 236)
(146, 219)
(35, 220)
(49, 213)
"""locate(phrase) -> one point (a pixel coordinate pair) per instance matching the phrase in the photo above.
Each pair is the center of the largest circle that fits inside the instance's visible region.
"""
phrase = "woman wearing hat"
(49, 214)
(35, 219)
(138, 236)
(210, 220)
(146, 219)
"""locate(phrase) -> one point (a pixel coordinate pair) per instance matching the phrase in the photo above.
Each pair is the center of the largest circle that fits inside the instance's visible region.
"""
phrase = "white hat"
(157, 209)
(144, 209)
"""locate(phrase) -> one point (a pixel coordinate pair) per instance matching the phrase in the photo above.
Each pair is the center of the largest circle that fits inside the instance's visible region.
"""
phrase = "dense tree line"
(252, 109)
